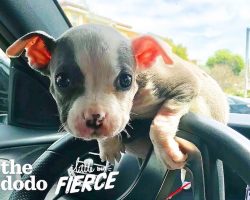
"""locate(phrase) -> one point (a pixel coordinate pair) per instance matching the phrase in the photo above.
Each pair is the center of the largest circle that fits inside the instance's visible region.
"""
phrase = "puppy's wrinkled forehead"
(97, 50)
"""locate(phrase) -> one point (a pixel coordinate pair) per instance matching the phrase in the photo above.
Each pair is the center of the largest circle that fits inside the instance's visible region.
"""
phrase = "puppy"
(100, 80)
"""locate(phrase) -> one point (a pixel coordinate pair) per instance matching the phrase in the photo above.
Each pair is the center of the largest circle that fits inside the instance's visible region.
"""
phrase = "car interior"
(218, 164)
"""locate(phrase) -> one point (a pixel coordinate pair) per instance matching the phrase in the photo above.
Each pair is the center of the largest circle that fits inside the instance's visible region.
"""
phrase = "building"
(80, 14)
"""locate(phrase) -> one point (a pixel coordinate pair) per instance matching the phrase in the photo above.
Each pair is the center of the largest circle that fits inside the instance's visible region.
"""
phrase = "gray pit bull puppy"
(100, 79)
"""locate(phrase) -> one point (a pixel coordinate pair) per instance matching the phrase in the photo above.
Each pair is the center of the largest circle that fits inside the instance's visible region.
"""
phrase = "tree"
(226, 58)
(178, 49)
(230, 83)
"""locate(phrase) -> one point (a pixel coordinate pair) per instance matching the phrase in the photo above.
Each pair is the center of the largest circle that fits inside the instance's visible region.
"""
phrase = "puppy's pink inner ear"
(37, 53)
(146, 50)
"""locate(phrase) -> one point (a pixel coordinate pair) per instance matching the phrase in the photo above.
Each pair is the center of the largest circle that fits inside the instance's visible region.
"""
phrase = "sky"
(203, 26)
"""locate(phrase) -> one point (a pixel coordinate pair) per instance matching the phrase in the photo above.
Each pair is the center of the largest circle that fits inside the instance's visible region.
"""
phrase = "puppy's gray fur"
(93, 57)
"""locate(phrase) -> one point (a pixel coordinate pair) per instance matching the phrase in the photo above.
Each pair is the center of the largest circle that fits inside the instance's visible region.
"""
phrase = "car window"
(239, 105)
(4, 85)
(202, 33)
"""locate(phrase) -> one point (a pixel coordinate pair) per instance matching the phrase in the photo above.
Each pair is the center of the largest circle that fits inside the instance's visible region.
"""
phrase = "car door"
(30, 123)
(29, 120)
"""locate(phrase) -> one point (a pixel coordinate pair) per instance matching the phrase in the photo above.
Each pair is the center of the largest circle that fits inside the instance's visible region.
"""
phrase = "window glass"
(211, 34)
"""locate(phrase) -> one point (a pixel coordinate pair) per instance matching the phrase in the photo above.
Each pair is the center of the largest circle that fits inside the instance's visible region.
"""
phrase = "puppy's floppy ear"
(38, 46)
(146, 49)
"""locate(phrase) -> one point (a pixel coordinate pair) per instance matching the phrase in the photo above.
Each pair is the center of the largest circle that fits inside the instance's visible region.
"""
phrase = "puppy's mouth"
(97, 125)
(80, 130)
(95, 135)
(88, 135)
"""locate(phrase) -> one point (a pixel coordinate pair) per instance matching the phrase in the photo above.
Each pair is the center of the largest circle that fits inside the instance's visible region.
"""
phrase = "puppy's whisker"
(125, 131)
(130, 126)
(133, 113)
(119, 137)
(61, 127)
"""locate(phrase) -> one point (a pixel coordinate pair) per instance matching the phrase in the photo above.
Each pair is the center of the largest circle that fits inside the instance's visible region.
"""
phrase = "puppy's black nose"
(96, 121)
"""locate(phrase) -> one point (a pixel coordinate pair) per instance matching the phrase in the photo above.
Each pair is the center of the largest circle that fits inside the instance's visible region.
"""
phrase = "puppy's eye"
(124, 81)
(62, 80)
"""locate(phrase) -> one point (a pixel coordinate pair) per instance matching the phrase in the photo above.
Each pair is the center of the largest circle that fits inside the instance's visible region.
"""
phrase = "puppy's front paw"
(111, 150)
(170, 154)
